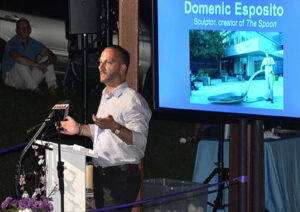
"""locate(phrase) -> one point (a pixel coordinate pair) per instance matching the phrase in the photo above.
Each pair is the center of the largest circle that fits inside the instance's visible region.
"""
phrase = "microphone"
(59, 112)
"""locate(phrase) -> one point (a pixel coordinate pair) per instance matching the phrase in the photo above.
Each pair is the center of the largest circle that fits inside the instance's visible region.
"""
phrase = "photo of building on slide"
(243, 68)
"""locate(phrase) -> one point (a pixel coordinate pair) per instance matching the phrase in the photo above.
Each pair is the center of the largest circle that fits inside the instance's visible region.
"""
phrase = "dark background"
(21, 109)
(58, 8)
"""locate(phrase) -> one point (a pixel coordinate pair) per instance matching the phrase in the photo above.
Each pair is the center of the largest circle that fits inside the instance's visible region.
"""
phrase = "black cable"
(60, 169)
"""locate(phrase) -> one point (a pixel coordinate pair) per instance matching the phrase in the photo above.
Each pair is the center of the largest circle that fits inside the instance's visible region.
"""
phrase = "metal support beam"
(243, 164)
(258, 167)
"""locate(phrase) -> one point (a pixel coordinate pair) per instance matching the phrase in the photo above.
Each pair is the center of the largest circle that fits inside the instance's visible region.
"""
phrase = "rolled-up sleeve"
(137, 116)
(92, 129)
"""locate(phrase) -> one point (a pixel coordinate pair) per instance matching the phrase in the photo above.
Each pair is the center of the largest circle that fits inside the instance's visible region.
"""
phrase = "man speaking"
(119, 132)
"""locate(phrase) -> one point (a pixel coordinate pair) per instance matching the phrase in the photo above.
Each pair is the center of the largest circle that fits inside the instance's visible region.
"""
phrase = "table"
(282, 170)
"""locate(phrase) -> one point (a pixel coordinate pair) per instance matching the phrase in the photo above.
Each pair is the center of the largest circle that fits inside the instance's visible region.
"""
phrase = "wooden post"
(233, 167)
(129, 39)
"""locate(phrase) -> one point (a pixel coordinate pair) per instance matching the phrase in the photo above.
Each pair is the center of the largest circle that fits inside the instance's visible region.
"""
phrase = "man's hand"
(109, 123)
(106, 123)
(43, 66)
(70, 126)
(192, 139)
(51, 57)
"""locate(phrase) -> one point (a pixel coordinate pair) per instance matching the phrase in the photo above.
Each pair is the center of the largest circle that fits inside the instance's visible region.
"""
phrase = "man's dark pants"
(116, 185)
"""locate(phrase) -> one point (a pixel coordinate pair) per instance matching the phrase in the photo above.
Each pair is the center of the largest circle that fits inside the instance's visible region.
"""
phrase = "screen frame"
(200, 115)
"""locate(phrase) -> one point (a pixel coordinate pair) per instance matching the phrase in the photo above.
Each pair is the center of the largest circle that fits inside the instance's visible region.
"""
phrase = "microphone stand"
(60, 169)
(60, 164)
(223, 173)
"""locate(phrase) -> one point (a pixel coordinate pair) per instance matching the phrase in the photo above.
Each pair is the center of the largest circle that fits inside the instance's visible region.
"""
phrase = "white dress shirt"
(129, 109)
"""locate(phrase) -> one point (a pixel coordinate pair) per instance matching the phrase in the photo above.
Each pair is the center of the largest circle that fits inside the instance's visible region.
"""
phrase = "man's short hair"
(125, 57)
(22, 20)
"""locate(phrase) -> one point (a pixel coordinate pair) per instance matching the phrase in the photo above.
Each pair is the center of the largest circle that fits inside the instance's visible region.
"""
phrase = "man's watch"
(118, 130)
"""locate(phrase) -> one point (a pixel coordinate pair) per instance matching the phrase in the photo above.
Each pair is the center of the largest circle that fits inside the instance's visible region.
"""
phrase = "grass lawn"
(20, 110)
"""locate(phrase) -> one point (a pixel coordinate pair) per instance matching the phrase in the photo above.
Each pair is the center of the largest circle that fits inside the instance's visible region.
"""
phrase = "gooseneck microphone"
(59, 112)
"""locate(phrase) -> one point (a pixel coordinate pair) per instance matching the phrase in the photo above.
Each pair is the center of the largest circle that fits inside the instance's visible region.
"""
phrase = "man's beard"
(109, 76)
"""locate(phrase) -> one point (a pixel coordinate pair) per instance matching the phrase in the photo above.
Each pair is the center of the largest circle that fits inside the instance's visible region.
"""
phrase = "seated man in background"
(26, 62)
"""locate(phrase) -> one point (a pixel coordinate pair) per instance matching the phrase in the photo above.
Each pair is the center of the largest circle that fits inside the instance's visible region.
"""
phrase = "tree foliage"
(206, 44)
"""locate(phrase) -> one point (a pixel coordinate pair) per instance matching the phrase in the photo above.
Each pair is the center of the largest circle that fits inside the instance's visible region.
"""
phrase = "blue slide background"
(173, 53)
